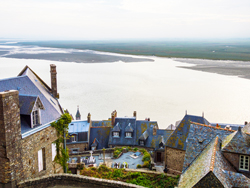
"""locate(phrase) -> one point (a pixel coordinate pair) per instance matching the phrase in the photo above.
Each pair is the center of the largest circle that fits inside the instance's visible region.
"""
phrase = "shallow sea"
(158, 90)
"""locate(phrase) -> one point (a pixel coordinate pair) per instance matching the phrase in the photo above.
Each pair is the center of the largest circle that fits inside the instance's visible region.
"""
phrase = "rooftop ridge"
(214, 153)
(213, 127)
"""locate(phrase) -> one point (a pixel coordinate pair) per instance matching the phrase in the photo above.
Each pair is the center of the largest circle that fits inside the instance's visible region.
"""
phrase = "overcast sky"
(124, 19)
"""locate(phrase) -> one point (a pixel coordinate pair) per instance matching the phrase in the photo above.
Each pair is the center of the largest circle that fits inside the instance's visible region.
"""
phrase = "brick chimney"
(134, 114)
(89, 117)
(53, 80)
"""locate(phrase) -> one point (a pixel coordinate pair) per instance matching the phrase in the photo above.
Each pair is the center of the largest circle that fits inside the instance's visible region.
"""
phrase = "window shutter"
(53, 147)
(40, 160)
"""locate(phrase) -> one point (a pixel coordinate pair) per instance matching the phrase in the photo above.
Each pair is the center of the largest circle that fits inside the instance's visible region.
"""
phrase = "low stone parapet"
(72, 180)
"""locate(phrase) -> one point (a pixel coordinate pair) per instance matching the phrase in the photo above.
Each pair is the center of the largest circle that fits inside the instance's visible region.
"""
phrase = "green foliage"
(146, 164)
(143, 151)
(138, 178)
(129, 148)
(138, 166)
(146, 157)
(135, 149)
(117, 152)
(62, 125)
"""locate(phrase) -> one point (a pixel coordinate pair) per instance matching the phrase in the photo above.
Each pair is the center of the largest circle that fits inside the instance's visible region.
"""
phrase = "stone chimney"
(134, 114)
(89, 117)
(10, 136)
(53, 81)
(113, 116)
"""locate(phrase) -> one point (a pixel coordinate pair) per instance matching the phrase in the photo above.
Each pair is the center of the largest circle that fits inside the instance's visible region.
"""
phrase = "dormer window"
(244, 163)
(115, 134)
(128, 135)
(36, 117)
(141, 142)
(161, 145)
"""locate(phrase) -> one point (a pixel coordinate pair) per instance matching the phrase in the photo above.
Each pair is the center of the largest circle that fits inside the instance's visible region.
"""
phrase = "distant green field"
(214, 49)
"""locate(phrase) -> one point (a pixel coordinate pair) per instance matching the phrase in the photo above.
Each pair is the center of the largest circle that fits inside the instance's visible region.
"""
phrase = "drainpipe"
(64, 138)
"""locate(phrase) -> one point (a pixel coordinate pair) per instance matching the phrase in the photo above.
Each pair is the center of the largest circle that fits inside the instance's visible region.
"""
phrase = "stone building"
(216, 157)
(27, 107)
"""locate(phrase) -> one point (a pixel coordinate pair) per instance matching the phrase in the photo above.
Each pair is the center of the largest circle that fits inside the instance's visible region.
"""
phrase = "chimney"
(53, 81)
(89, 117)
(246, 123)
(134, 114)
(113, 116)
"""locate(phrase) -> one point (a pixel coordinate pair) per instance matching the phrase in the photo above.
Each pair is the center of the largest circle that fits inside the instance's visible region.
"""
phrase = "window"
(129, 135)
(244, 163)
(41, 160)
(141, 142)
(116, 134)
(75, 150)
(73, 138)
(35, 117)
(93, 148)
(53, 148)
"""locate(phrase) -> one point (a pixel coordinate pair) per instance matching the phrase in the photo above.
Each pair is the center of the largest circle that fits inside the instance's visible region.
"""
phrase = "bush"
(135, 149)
(129, 148)
(143, 151)
(145, 164)
(103, 168)
(138, 166)
(146, 157)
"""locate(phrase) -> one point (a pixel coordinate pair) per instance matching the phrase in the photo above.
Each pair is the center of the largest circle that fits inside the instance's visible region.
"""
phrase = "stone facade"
(19, 157)
(174, 159)
(80, 146)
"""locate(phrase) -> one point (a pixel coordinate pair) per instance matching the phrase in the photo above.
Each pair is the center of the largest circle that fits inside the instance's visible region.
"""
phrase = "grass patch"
(138, 178)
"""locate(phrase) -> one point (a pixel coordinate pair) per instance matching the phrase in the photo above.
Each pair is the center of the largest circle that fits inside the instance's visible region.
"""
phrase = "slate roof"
(144, 136)
(232, 142)
(178, 137)
(95, 143)
(116, 128)
(232, 126)
(120, 125)
(105, 123)
(78, 126)
(210, 160)
(142, 129)
(129, 128)
(26, 103)
(101, 134)
(199, 137)
(28, 83)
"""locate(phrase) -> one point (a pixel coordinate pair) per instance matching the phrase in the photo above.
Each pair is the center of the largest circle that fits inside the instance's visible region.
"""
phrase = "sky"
(124, 19)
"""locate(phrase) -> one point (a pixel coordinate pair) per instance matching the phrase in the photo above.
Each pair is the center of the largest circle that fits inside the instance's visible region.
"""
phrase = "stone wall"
(174, 160)
(80, 146)
(70, 180)
(10, 137)
(19, 157)
(30, 147)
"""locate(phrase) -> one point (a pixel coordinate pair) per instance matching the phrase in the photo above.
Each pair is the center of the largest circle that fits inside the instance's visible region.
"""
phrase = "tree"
(62, 154)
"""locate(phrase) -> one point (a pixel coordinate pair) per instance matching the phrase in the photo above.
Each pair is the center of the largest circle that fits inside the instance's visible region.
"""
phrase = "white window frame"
(115, 134)
(41, 160)
(244, 162)
(53, 149)
(36, 117)
(128, 135)
(93, 148)
(141, 143)
(74, 138)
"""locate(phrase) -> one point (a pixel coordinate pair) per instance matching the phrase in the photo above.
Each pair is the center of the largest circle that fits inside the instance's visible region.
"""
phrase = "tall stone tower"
(78, 115)
(10, 138)
(53, 80)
